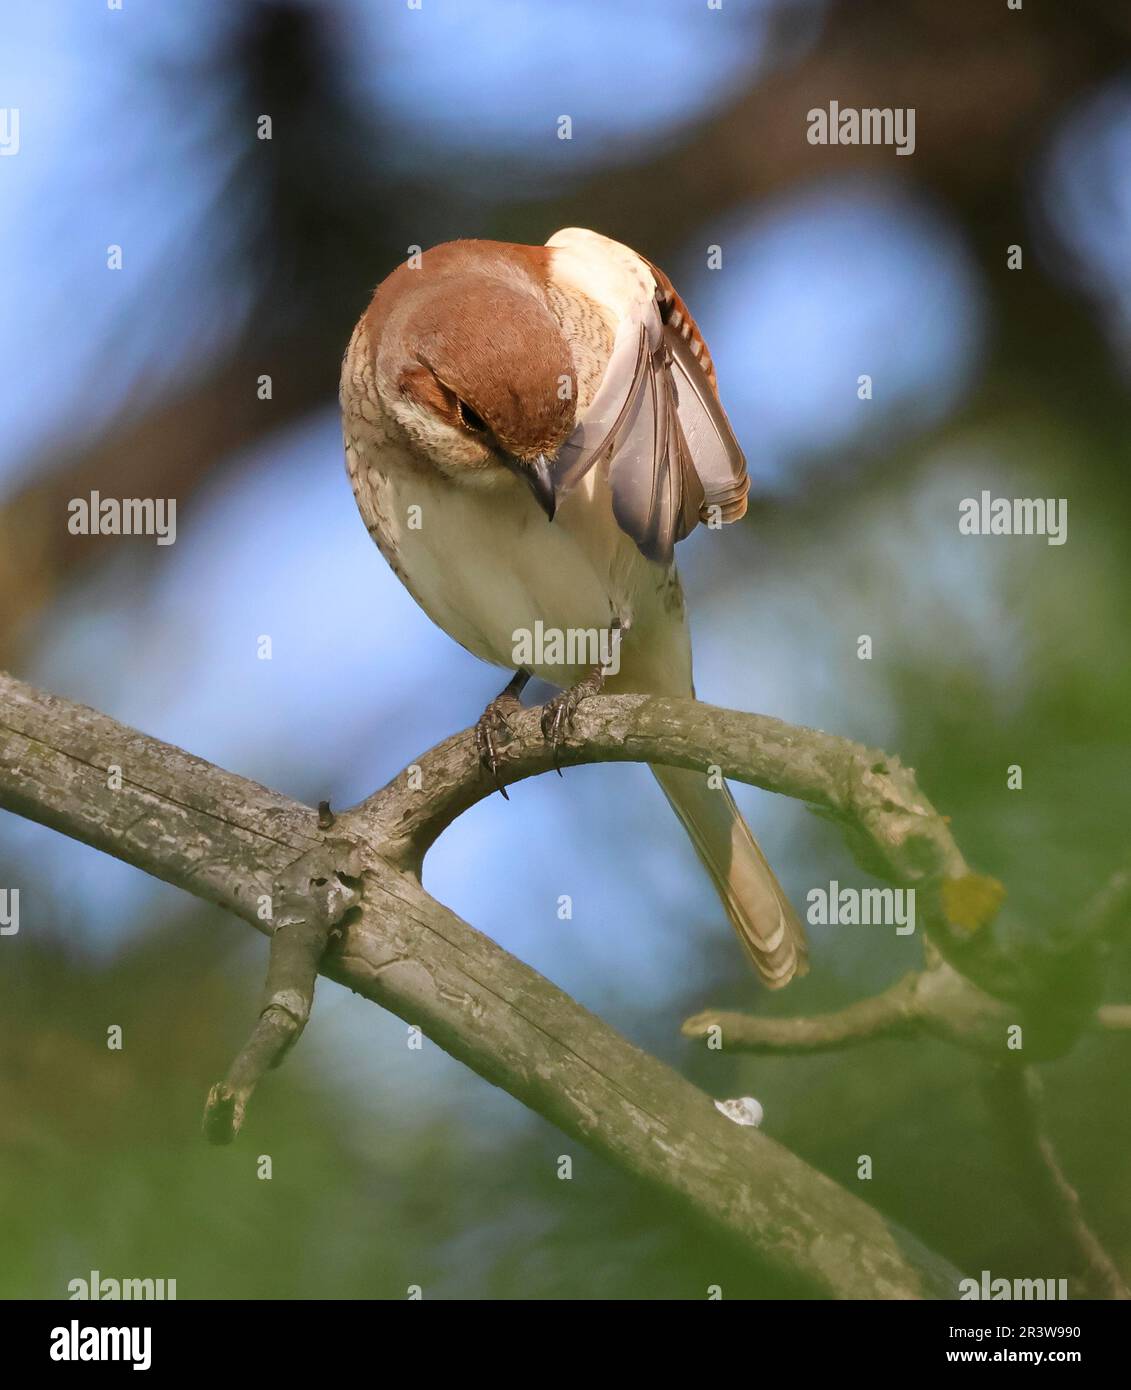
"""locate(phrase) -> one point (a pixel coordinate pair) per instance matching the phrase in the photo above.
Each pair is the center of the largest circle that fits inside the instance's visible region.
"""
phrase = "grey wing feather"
(719, 461)
(656, 491)
(656, 423)
(605, 420)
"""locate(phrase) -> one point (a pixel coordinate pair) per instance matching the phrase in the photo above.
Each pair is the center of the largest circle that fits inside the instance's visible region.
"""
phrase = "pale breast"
(484, 564)
(488, 568)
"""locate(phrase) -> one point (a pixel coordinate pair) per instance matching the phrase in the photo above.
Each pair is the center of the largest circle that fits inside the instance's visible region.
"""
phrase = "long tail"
(755, 903)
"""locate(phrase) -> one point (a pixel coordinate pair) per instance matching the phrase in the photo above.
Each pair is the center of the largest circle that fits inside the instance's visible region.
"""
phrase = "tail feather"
(754, 900)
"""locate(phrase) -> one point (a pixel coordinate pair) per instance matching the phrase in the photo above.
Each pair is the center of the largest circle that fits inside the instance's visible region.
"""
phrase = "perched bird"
(529, 430)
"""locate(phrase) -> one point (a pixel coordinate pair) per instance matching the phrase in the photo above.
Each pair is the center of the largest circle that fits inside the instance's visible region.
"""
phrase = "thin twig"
(1107, 915)
(887, 1015)
(937, 1001)
(1016, 1099)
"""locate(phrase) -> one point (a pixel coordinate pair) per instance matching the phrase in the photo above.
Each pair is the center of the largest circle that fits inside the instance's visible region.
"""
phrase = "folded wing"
(657, 425)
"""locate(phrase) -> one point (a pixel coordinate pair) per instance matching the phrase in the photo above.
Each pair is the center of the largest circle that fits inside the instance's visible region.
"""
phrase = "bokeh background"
(395, 127)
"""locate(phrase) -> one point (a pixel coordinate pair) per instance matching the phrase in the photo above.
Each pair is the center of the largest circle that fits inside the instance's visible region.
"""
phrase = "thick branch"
(843, 778)
(229, 840)
(890, 825)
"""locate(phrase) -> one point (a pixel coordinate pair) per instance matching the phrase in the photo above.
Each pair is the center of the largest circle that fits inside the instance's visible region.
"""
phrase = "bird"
(529, 431)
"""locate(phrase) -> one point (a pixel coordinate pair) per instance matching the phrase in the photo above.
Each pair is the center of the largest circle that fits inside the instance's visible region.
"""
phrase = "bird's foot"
(494, 728)
(557, 713)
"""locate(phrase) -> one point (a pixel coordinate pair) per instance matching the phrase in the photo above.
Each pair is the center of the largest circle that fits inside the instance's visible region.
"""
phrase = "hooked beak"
(535, 472)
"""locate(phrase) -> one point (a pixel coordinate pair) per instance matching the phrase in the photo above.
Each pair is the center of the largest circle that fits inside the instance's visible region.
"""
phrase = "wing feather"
(657, 425)
(611, 410)
(719, 461)
(656, 491)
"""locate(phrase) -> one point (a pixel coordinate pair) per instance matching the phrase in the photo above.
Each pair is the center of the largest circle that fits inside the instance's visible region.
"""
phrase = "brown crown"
(475, 316)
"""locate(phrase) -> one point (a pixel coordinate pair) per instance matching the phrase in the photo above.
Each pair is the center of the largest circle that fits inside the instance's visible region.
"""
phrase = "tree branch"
(311, 907)
(891, 827)
(231, 841)
(938, 1001)
(1016, 1101)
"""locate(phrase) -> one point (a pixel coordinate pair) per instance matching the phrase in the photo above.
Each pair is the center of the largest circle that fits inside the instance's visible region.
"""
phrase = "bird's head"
(473, 367)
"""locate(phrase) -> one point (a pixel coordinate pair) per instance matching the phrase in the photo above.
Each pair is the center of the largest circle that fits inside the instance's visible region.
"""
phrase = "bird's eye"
(469, 419)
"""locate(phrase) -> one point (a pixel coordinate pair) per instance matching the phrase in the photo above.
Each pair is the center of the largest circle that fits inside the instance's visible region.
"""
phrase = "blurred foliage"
(103, 1168)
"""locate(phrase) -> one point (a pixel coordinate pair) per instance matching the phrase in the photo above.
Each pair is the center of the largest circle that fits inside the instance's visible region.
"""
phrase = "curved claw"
(557, 713)
(554, 720)
(493, 727)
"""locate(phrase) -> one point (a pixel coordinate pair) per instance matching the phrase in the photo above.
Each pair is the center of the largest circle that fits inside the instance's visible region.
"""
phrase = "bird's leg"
(494, 725)
(557, 713)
